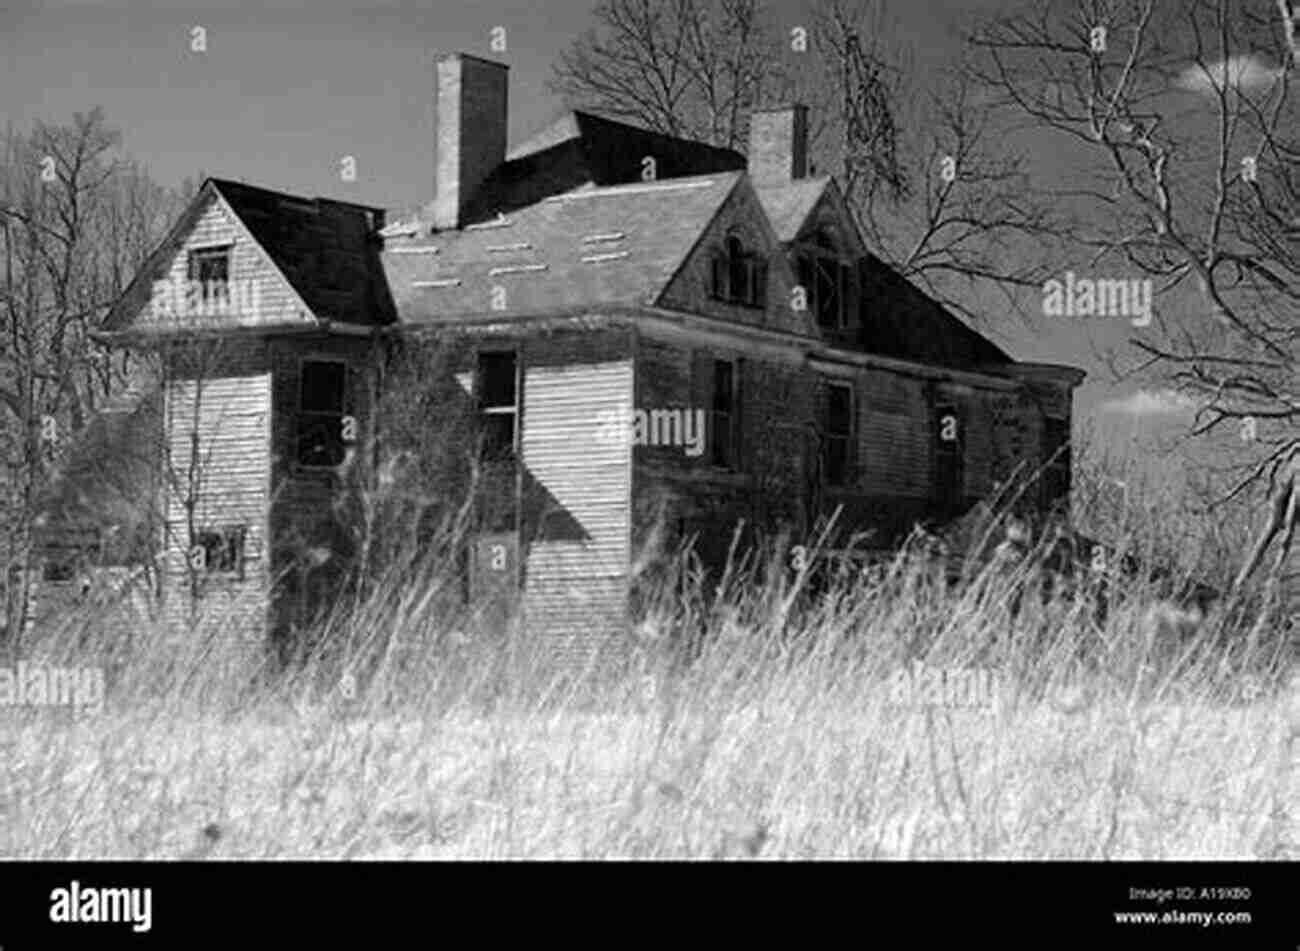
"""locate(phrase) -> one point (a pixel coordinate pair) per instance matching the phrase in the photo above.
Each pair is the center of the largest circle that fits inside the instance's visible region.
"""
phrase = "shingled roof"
(588, 247)
(899, 320)
(789, 205)
(326, 249)
(583, 149)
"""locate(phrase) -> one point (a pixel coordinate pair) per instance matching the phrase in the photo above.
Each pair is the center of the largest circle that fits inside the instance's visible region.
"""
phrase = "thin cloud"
(1243, 73)
(1150, 403)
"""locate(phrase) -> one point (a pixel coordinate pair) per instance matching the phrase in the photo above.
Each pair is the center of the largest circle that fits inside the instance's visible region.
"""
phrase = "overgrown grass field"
(753, 719)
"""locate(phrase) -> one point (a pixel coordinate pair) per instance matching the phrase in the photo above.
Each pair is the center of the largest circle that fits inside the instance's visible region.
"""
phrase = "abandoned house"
(651, 331)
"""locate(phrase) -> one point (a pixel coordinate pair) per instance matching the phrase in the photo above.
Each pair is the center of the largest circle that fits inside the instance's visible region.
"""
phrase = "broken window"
(498, 402)
(723, 414)
(222, 550)
(837, 434)
(210, 267)
(321, 393)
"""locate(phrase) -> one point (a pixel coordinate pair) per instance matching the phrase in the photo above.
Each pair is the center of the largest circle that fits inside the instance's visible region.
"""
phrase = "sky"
(287, 88)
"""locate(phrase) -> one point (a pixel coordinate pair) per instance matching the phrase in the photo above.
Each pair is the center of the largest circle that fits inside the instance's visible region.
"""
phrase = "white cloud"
(1150, 403)
(1244, 73)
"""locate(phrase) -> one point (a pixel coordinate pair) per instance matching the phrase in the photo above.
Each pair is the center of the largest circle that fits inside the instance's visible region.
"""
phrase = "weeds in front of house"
(748, 715)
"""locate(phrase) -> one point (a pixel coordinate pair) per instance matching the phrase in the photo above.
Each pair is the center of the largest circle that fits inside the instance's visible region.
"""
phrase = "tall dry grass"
(745, 716)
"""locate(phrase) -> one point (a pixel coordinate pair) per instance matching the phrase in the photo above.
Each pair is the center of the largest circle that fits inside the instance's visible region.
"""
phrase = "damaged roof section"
(589, 247)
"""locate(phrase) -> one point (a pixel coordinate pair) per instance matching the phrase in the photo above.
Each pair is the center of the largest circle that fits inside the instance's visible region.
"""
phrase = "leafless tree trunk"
(78, 221)
(1188, 114)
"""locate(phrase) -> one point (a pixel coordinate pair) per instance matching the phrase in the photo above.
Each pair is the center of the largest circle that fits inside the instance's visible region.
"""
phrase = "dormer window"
(739, 275)
(829, 280)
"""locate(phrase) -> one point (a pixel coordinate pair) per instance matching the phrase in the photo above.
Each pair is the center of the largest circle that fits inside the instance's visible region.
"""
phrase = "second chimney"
(778, 145)
(470, 119)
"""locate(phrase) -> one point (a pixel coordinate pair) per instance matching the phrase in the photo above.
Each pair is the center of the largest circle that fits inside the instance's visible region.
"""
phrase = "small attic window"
(210, 268)
(738, 276)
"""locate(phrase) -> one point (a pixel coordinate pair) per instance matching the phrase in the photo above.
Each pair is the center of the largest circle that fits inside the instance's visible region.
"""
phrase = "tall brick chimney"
(470, 118)
(778, 145)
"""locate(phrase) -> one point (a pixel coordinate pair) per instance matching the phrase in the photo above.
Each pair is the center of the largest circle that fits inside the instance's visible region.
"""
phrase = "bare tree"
(689, 68)
(77, 221)
(922, 167)
(1188, 115)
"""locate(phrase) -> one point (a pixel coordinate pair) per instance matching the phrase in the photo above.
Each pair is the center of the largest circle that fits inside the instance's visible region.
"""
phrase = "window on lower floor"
(497, 386)
(220, 551)
(949, 454)
(321, 394)
(837, 434)
(1056, 462)
(723, 414)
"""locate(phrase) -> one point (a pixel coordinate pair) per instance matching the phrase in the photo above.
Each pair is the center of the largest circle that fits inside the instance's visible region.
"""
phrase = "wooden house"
(653, 331)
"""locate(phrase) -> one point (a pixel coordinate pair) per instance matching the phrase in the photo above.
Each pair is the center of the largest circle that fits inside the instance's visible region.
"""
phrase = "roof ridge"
(276, 193)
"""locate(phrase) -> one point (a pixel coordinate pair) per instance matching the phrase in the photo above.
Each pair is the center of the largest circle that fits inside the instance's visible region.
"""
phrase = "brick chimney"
(470, 117)
(778, 145)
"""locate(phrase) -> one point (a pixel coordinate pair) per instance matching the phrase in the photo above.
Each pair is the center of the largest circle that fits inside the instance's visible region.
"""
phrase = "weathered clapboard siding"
(216, 226)
(689, 494)
(577, 547)
(224, 397)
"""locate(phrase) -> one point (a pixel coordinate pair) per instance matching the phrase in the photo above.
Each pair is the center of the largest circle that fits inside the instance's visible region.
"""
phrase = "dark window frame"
(331, 419)
(1057, 461)
(820, 265)
(490, 412)
(229, 544)
(214, 289)
(724, 416)
(738, 276)
(953, 451)
(837, 445)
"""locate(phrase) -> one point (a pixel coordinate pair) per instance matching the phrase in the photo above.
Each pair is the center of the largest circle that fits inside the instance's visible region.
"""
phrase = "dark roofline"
(458, 54)
(721, 151)
(221, 183)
